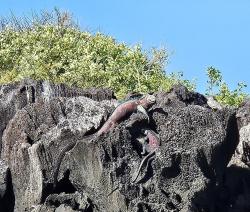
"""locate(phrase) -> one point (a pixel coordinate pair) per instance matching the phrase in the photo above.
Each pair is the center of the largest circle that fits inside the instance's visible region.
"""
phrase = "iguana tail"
(146, 158)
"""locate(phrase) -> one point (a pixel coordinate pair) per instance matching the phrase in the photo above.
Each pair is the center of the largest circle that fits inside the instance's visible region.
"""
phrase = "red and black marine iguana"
(121, 111)
(149, 147)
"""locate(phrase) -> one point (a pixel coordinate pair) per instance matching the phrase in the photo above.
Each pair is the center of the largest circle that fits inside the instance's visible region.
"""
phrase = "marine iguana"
(150, 148)
(121, 111)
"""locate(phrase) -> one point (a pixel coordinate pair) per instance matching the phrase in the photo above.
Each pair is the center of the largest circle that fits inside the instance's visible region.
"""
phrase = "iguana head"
(147, 101)
(148, 131)
(150, 99)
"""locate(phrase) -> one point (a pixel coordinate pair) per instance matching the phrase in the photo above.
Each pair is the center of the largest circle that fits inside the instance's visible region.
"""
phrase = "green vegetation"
(52, 47)
(224, 95)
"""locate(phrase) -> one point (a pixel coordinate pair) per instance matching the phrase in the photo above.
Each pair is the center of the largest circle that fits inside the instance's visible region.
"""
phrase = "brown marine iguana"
(121, 111)
(150, 148)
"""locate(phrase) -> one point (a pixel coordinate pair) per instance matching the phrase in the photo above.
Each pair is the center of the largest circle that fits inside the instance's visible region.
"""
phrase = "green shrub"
(51, 47)
(224, 95)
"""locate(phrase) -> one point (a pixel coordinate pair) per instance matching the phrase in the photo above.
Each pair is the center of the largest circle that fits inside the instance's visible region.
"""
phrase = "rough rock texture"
(189, 171)
(3, 178)
(34, 109)
(243, 114)
(213, 103)
(243, 149)
(16, 96)
(236, 184)
(6, 191)
(64, 202)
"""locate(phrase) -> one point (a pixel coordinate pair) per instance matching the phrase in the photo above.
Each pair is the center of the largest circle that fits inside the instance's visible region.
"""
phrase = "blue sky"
(197, 34)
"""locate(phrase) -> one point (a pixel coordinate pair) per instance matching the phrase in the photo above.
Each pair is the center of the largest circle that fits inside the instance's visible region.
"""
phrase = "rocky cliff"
(199, 165)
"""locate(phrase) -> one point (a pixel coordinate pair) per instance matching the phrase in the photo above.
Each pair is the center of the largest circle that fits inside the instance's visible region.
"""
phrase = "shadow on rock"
(7, 203)
(225, 189)
(64, 185)
(232, 195)
(174, 170)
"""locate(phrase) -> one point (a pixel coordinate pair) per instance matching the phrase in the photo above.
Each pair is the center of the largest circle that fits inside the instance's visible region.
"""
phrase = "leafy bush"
(51, 47)
(224, 95)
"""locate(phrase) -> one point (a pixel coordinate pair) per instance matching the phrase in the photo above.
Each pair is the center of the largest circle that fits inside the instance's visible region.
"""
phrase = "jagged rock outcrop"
(243, 118)
(34, 108)
(16, 96)
(243, 114)
(189, 171)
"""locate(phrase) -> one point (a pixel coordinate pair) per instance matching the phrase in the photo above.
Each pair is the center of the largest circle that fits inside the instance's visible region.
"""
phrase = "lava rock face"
(243, 118)
(188, 172)
(243, 114)
(16, 96)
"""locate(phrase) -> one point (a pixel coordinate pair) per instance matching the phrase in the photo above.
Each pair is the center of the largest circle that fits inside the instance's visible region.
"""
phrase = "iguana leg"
(142, 110)
(143, 142)
(108, 125)
(144, 150)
